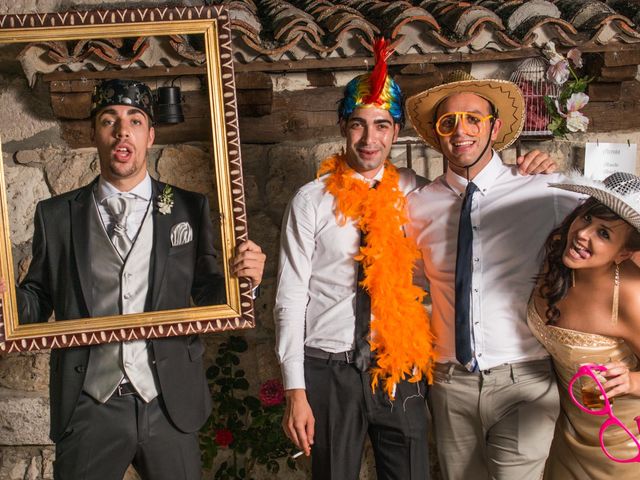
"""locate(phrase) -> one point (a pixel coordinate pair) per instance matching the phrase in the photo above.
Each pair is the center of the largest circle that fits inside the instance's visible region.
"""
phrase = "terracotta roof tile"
(630, 9)
(537, 30)
(342, 28)
(272, 30)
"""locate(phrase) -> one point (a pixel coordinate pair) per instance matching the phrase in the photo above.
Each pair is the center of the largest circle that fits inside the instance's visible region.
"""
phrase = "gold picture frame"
(212, 22)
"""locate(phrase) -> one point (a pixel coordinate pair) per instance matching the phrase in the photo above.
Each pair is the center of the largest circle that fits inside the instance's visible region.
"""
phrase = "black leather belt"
(346, 357)
(125, 389)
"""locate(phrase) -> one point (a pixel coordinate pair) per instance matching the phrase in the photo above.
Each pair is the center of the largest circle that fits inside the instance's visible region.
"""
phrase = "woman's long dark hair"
(556, 278)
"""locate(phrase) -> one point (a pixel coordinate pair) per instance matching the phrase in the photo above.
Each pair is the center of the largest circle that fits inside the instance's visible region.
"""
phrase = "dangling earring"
(573, 278)
(616, 295)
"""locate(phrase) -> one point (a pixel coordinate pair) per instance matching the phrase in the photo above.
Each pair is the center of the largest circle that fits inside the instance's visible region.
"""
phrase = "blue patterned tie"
(464, 352)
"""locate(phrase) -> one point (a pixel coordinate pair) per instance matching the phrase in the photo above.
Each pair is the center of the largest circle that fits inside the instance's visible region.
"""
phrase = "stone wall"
(38, 164)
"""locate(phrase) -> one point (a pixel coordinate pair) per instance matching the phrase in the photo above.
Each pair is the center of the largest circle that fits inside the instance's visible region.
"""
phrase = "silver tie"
(120, 207)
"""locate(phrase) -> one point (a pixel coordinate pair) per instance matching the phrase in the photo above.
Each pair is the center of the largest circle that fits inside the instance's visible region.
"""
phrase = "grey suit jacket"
(59, 280)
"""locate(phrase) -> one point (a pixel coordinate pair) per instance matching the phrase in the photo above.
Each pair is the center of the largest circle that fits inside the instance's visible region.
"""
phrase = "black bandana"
(122, 92)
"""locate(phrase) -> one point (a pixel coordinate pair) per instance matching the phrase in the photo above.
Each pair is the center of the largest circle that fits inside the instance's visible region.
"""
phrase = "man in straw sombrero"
(480, 228)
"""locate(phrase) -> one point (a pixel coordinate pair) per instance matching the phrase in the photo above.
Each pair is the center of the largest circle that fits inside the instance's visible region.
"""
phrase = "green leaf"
(212, 372)
(238, 344)
(241, 384)
(555, 123)
(239, 373)
(551, 106)
(252, 402)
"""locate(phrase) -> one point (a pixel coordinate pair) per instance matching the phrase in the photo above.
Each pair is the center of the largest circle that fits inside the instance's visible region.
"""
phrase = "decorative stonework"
(25, 188)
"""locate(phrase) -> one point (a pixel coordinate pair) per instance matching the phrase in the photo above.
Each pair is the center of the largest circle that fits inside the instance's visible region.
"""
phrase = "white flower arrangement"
(565, 109)
(165, 200)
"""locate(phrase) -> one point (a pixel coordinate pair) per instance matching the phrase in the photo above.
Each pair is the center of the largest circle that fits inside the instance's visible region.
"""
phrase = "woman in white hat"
(586, 310)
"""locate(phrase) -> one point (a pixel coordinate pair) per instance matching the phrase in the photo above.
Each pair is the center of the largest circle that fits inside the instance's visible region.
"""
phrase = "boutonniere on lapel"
(165, 200)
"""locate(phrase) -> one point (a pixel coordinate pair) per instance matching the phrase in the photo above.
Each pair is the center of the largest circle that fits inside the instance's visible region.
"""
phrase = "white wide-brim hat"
(620, 192)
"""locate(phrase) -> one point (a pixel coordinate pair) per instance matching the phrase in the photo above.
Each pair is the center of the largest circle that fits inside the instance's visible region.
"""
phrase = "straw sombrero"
(504, 95)
(620, 192)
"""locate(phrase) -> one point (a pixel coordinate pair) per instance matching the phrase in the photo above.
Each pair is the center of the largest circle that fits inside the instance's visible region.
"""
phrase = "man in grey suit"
(126, 243)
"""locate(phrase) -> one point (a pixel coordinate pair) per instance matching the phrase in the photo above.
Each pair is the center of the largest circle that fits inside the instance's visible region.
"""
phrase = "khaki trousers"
(494, 424)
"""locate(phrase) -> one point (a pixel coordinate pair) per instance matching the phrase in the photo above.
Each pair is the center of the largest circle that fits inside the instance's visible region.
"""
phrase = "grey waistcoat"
(120, 287)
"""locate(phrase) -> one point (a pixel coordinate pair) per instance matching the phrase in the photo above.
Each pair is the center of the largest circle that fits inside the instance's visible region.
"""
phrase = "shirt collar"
(142, 190)
(377, 178)
(483, 180)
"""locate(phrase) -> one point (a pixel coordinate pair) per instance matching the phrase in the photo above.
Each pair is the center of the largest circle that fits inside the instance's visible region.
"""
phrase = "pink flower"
(558, 71)
(577, 101)
(575, 56)
(549, 51)
(577, 122)
(271, 393)
(224, 437)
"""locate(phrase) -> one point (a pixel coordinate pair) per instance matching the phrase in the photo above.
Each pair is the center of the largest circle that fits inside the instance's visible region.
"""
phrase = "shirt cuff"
(255, 292)
(293, 375)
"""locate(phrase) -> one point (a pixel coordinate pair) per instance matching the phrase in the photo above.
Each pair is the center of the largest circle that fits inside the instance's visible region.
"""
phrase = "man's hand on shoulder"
(298, 422)
(535, 162)
(248, 262)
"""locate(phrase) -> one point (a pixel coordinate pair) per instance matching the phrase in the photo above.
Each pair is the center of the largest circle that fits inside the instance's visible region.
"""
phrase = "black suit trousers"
(102, 440)
(346, 410)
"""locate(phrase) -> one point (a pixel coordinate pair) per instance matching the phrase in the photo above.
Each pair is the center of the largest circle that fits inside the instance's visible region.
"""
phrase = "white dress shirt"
(141, 192)
(315, 299)
(511, 217)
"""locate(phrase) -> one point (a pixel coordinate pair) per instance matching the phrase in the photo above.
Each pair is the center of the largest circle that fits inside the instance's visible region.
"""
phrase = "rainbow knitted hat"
(374, 89)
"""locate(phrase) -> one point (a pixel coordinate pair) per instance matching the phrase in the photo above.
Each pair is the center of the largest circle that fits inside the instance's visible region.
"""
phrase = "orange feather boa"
(400, 331)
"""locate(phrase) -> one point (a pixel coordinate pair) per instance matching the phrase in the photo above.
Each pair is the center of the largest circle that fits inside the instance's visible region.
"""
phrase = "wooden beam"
(618, 74)
(126, 73)
(77, 133)
(604, 92)
(620, 58)
(253, 81)
(77, 105)
(321, 78)
(613, 116)
(311, 113)
(71, 105)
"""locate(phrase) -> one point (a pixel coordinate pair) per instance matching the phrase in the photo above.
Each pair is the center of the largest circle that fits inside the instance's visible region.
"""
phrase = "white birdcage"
(530, 77)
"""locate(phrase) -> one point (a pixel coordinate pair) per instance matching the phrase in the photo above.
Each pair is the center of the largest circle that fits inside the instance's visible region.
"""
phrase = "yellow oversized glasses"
(472, 123)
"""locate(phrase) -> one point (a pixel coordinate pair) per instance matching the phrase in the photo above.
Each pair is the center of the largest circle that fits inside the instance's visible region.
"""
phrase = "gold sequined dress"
(575, 451)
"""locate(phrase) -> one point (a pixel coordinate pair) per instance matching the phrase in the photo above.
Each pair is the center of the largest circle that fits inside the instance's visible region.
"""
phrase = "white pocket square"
(181, 234)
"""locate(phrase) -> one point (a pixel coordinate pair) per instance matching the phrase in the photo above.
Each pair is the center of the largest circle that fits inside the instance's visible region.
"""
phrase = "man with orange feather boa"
(352, 335)
(335, 393)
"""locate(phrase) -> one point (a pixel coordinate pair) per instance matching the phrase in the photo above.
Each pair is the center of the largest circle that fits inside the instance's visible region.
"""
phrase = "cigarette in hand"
(297, 454)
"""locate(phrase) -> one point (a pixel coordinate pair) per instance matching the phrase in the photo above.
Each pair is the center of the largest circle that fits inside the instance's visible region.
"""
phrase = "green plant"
(565, 108)
(248, 426)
